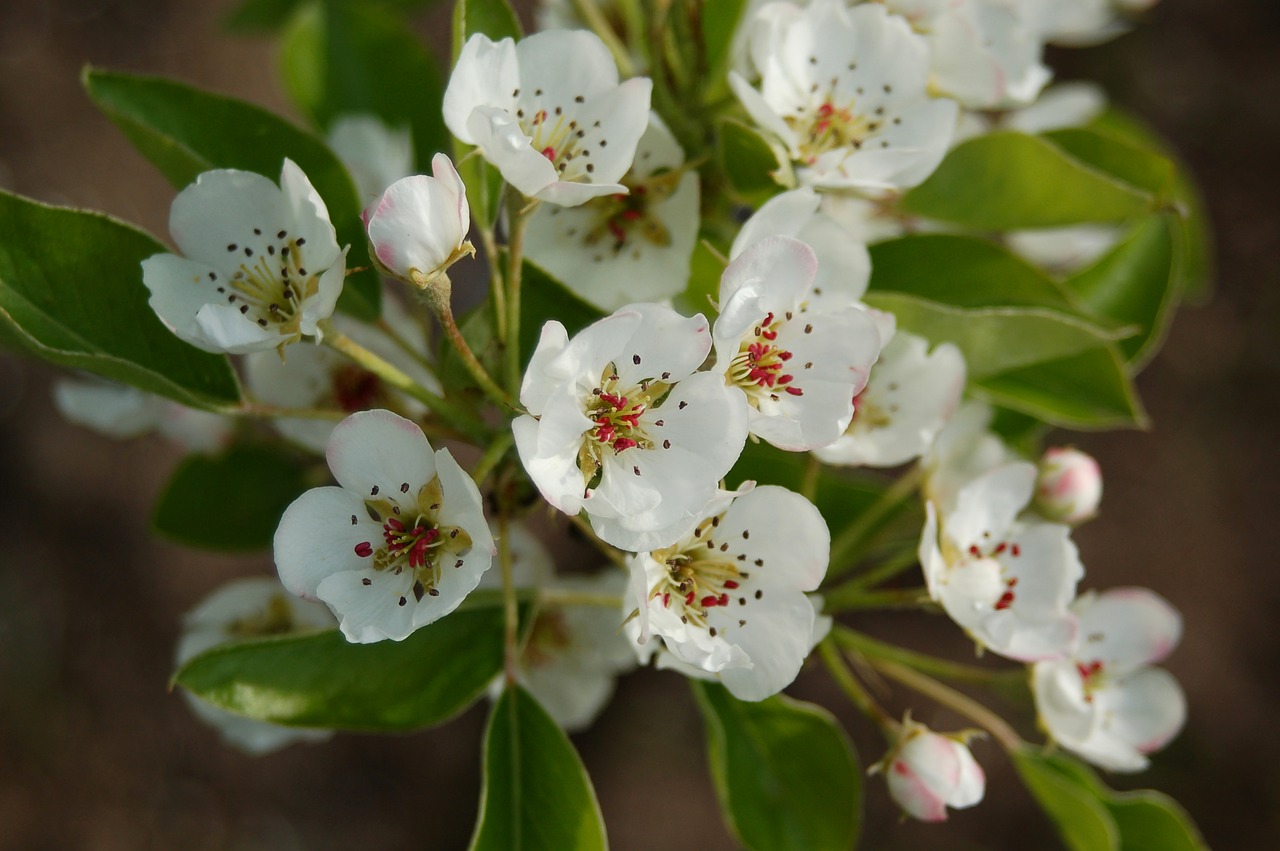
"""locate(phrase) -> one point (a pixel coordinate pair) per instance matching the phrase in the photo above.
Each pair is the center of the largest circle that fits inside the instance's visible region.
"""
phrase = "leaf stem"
(437, 295)
(847, 598)
(492, 457)
(848, 545)
(809, 485)
(854, 690)
(591, 15)
(519, 222)
(873, 648)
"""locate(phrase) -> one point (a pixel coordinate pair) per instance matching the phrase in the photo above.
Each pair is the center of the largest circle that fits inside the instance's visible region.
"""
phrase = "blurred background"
(95, 754)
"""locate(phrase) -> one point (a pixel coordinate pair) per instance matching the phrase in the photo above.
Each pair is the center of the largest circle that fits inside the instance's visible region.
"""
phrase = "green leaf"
(322, 680)
(720, 23)
(494, 18)
(995, 339)
(1088, 390)
(705, 271)
(785, 773)
(1082, 820)
(962, 271)
(342, 58)
(267, 16)
(1135, 284)
(229, 502)
(543, 298)
(184, 131)
(536, 796)
(1007, 181)
(71, 293)
(1143, 169)
(748, 160)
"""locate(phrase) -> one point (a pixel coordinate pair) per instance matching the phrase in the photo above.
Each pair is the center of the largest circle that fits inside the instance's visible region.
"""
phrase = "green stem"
(848, 545)
(492, 456)
(595, 21)
(437, 295)
(519, 222)
(809, 485)
(847, 599)
(946, 696)
(886, 570)
(457, 418)
(405, 346)
(855, 691)
(873, 648)
(510, 612)
(497, 288)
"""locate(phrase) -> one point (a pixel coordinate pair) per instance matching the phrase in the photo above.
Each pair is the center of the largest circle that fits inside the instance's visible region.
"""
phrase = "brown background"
(94, 754)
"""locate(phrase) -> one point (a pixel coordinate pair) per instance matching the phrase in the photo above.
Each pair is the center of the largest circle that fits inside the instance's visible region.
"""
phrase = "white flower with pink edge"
(1104, 701)
(398, 544)
(927, 772)
(418, 227)
(1069, 486)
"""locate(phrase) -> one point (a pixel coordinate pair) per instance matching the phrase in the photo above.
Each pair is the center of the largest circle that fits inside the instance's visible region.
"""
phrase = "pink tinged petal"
(776, 638)
(372, 452)
(316, 538)
(933, 772)
(416, 225)
(665, 346)
(543, 375)
(487, 73)
(1148, 708)
(444, 171)
(370, 612)
(504, 143)
(1126, 628)
(308, 217)
(917, 798)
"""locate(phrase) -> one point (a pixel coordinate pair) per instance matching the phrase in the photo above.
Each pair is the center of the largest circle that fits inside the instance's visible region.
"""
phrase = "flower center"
(270, 282)
(996, 553)
(615, 413)
(1091, 675)
(626, 217)
(700, 576)
(759, 367)
(357, 389)
(555, 134)
(829, 126)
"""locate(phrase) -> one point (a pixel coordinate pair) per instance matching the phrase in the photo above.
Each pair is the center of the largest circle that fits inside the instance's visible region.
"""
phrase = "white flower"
(123, 412)
(319, 377)
(1006, 581)
(1103, 702)
(844, 90)
(964, 450)
(549, 113)
(798, 368)
(1064, 250)
(398, 545)
(844, 267)
(618, 249)
(1079, 23)
(729, 597)
(418, 228)
(262, 264)
(1069, 486)
(375, 155)
(247, 608)
(621, 425)
(1060, 106)
(910, 396)
(927, 772)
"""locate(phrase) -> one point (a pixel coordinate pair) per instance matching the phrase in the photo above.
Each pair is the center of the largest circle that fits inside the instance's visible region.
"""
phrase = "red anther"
(769, 334)
(666, 599)
(1017, 551)
(709, 601)
(688, 599)
(821, 127)
(783, 354)
(794, 391)
(768, 320)
(1001, 548)
(1012, 583)
(755, 351)
(724, 600)
(826, 110)
(618, 231)
(540, 116)
(730, 584)
(639, 190)
(632, 420)
(786, 379)
(395, 524)
(364, 549)
(974, 551)
(624, 443)
(615, 401)
(631, 215)
(1005, 601)
(550, 153)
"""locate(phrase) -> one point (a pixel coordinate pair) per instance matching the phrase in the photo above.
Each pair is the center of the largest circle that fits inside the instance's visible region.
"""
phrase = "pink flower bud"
(928, 772)
(1069, 487)
(418, 228)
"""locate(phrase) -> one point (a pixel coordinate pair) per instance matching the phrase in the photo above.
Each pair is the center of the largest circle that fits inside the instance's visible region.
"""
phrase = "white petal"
(367, 604)
(316, 538)
(989, 504)
(487, 73)
(504, 143)
(379, 450)
(1125, 628)
(417, 224)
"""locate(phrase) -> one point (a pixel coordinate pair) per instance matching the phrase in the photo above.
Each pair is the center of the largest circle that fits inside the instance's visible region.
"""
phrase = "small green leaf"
(322, 680)
(1082, 820)
(543, 298)
(184, 131)
(71, 293)
(342, 58)
(536, 796)
(1088, 390)
(785, 773)
(748, 159)
(1143, 169)
(494, 18)
(995, 339)
(1007, 181)
(1135, 284)
(229, 502)
(720, 22)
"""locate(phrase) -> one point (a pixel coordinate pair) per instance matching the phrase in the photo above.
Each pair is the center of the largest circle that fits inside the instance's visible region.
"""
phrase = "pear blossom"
(374, 154)
(398, 544)
(617, 249)
(910, 396)
(1080, 23)
(418, 228)
(798, 368)
(1069, 486)
(964, 450)
(1007, 580)
(319, 377)
(549, 113)
(123, 412)
(844, 91)
(729, 597)
(622, 426)
(262, 265)
(844, 266)
(248, 608)
(926, 772)
(1104, 701)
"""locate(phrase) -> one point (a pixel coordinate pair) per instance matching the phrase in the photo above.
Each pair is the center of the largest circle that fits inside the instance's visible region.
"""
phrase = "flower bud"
(418, 228)
(1069, 487)
(928, 772)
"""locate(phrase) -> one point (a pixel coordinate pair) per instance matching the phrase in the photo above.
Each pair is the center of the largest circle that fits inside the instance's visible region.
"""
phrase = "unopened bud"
(1069, 487)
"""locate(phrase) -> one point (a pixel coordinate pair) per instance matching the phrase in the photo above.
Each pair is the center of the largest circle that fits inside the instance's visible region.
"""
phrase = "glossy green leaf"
(748, 160)
(785, 773)
(343, 58)
(543, 298)
(962, 271)
(719, 23)
(232, 501)
(71, 293)
(536, 796)
(995, 339)
(1088, 390)
(1135, 284)
(1083, 822)
(322, 680)
(494, 18)
(184, 131)
(1007, 181)
(1138, 167)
